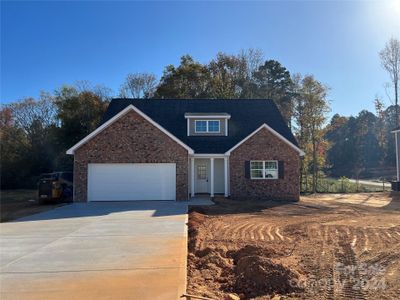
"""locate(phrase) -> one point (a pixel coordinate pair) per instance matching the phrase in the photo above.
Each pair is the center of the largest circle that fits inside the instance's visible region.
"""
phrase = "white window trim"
(224, 116)
(207, 130)
(263, 169)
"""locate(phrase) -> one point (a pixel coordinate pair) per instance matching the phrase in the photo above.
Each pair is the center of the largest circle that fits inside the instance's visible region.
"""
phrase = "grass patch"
(340, 185)
(15, 204)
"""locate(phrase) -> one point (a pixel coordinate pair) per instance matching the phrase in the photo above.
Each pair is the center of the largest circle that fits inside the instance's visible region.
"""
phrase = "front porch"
(209, 175)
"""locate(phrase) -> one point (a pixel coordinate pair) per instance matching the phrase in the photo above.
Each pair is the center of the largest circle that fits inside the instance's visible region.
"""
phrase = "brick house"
(176, 149)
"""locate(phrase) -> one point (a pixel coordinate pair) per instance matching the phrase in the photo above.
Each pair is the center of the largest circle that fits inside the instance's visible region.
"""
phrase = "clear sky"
(47, 44)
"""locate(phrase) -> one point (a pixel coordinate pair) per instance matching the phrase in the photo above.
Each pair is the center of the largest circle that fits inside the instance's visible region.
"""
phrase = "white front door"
(201, 173)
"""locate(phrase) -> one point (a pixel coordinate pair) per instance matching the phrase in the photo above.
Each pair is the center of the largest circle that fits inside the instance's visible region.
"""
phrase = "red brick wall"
(130, 139)
(265, 146)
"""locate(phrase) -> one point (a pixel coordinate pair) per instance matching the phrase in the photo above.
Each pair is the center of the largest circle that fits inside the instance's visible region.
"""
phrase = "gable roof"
(301, 152)
(246, 117)
(116, 117)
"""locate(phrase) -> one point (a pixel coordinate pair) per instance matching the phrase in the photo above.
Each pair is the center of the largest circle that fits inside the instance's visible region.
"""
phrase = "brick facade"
(130, 139)
(265, 146)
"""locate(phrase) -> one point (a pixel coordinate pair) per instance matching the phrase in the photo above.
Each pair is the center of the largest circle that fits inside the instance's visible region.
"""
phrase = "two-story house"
(176, 149)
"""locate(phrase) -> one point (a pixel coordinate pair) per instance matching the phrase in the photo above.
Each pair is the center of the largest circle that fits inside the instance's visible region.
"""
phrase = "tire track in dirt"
(366, 243)
(322, 247)
(214, 228)
(246, 232)
(326, 263)
(228, 231)
(241, 229)
(354, 241)
(324, 239)
(238, 230)
(261, 232)
(360, 243)
(387, 257)
(271, 237)
(277, 233)
(346, 269)
(394, 233)
(383, 236)
(338, 244)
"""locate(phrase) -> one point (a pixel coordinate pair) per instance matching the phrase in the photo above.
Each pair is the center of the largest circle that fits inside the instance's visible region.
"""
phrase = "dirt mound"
(196, 218)
(249, 271)
(207, 251)
(258, 275)
(195, 236)
(212, 257)
(212, 269)
(323, 247)
(251, 250)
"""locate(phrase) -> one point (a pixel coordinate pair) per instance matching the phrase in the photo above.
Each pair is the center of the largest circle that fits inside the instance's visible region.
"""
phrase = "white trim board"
(210, 116)
(119, 115)
(209, 155)
(301, 152)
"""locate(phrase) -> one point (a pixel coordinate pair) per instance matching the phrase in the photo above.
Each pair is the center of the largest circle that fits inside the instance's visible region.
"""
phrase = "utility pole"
(396, 184)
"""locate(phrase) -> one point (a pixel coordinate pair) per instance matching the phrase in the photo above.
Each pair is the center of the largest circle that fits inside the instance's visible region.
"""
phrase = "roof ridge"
(246, 115)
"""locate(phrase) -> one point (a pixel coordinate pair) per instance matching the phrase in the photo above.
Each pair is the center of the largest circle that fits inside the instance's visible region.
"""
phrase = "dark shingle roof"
(246, 117)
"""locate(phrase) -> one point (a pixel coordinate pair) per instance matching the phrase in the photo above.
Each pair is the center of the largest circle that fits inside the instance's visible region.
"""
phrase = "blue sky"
(47, 44)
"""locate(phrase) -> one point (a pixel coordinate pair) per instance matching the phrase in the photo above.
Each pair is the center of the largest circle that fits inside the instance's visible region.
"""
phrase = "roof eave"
(301, 152)
(130, 107)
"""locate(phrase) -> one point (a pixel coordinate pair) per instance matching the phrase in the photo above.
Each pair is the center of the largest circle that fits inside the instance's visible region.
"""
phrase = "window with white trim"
(207, 126)
(264, 169)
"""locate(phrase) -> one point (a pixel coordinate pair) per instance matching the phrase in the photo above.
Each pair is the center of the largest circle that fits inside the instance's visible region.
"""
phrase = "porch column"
(192, 176)
(212, 177)
(226, 176)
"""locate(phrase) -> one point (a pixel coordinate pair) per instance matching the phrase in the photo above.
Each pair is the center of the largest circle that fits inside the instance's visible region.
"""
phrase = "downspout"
(397, 156)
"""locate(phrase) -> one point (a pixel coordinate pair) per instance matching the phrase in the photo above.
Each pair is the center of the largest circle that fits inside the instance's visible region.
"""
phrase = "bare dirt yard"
(337, 246)
(15, 204)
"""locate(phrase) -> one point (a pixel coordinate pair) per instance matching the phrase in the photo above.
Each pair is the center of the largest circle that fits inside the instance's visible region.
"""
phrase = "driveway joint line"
(44, 246)
(94, 270)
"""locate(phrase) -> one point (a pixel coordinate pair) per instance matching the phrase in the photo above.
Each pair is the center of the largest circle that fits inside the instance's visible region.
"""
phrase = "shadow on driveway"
(93, 209)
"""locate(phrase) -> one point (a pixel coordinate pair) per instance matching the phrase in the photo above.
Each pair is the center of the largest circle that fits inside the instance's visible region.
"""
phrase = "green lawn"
(342, 185)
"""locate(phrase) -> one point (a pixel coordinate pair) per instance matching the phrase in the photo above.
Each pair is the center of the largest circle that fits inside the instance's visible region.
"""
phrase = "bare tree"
(390, 59)
(139, 85)
(254, 58)
(28, 111)
(105, 93)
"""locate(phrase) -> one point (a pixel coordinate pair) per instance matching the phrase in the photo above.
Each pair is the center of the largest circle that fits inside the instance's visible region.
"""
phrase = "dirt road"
(325, 247)
(373, 183)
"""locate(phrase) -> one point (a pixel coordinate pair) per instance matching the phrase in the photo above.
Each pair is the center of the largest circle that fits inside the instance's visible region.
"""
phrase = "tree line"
(35, 133)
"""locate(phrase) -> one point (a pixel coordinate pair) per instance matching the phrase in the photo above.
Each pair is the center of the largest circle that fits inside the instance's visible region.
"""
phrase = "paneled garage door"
(124, 182)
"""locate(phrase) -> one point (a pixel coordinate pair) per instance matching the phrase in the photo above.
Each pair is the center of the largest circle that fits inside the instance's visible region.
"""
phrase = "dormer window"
(207, 126)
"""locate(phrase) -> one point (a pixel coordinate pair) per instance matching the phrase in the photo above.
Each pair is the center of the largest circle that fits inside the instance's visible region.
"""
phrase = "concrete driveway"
(124, 250)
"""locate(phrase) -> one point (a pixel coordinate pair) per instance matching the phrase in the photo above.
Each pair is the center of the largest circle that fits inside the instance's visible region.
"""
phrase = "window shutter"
(247, 169)
(281, 169)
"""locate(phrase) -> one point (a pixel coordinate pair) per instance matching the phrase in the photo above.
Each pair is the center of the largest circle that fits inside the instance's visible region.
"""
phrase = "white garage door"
(124, 182)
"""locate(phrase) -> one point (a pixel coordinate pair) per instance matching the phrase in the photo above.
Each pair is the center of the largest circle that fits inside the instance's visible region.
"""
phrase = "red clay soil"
(324, 247)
